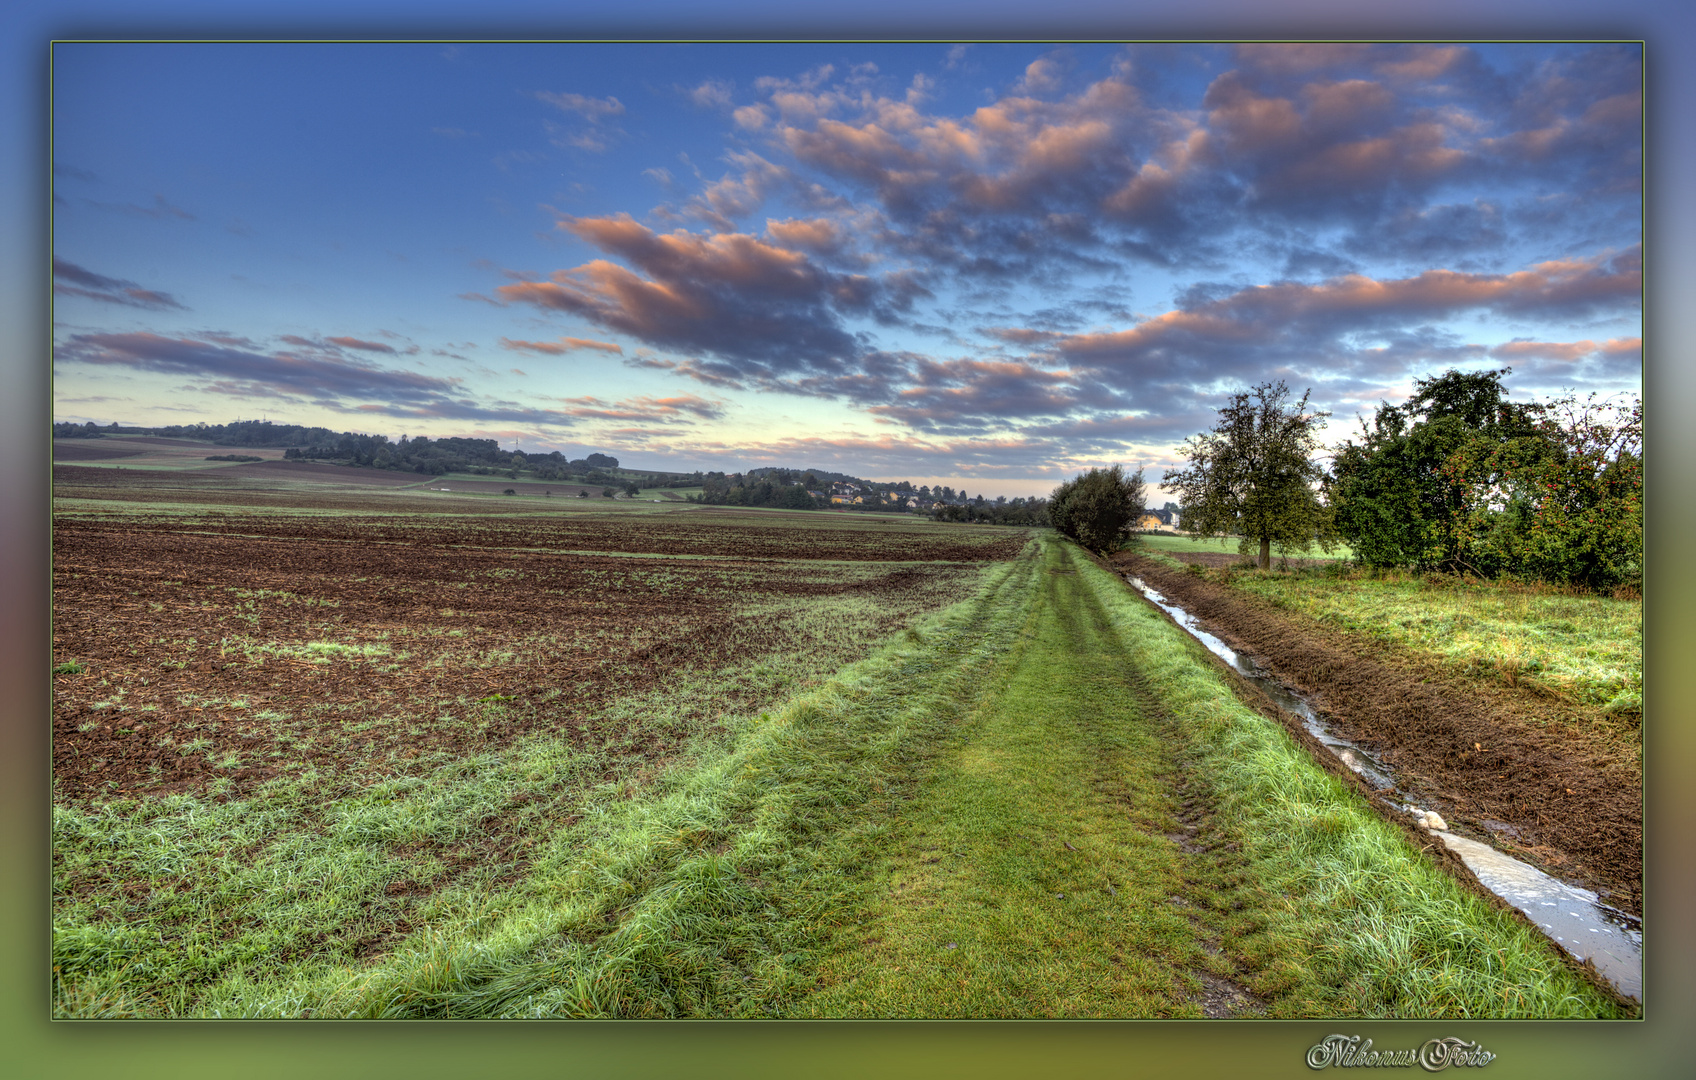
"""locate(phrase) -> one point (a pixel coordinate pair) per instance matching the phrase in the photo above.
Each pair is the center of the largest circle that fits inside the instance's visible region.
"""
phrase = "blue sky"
(989, 265)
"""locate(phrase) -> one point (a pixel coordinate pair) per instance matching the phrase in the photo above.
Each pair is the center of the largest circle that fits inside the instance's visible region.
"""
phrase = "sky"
(987, 265)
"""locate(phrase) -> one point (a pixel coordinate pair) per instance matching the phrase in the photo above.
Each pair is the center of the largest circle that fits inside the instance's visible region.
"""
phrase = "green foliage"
(1459, 479)
(775, 488)
(1254, 475)
(1015, 512)
(1573, 495)
(69, 667)
(1098, 508)
(1392, 499)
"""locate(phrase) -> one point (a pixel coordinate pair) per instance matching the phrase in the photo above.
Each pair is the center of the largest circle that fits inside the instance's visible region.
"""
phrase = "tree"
(1418, 486)
(1564, 504)
(1254, 475)
(1098, 508)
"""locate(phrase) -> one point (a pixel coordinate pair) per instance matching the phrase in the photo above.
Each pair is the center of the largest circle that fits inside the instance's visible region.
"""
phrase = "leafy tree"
(1098, 508)
(1564, 504)
(1412, 491)
(1254, 475)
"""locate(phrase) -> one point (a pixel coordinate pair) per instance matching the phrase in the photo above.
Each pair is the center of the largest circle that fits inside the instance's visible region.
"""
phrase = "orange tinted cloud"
(1259, 313)
(561, 346)
(364, 346)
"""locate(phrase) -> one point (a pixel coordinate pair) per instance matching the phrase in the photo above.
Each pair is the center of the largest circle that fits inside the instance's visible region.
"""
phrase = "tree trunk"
(1265, 553)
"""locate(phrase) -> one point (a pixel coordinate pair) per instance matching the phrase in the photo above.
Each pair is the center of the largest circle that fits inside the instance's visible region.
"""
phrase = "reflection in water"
(1572, 917)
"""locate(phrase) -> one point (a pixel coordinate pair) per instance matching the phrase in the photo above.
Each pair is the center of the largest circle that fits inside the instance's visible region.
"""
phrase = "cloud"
(1521, 349)
(1042, 75)
(1012, 190)
(822, 236)
(961, 394)
(764, 310)
(752, 117)
(308, 375)
(594, 138)
(680, 408)
(318, 376)
(1042, 184)
(712, 94)
(592, 109)
(72, 280)
(745, 190)
(159, 210)
(561, 346)
(363, 346)
(1257, 317)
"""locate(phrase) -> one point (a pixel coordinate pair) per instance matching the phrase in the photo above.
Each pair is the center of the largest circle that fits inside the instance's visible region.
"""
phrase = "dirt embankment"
(1493, 760)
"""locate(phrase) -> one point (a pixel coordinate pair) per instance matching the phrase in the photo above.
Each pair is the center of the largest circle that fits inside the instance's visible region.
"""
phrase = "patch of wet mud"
(1479, 758)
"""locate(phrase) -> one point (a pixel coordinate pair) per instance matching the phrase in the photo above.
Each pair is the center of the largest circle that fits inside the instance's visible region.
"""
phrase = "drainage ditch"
(1572, 917)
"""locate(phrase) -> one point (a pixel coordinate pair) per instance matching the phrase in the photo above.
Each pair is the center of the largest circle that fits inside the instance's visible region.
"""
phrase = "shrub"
(1098, 508)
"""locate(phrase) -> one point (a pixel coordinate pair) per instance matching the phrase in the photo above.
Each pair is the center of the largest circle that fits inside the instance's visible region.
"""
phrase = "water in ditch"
(1572, 917)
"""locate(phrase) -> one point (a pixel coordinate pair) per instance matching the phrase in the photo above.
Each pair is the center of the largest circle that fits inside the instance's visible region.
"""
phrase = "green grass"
(1588, 649)
(1064, 782)
(1032, 875)
(1230, 545)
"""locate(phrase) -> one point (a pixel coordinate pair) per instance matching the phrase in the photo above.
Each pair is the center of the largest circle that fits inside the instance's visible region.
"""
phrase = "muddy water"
(1572, 917)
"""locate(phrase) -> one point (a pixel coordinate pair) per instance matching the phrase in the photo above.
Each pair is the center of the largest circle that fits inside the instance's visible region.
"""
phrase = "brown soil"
(190, 629)
(90, 450)
(1496, 761)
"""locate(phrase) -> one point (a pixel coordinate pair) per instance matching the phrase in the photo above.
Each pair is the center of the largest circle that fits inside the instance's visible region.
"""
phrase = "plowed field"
(222, 650)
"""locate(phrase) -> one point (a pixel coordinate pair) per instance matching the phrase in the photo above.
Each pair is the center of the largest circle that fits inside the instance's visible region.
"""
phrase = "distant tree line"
(430, 457)
(774, 488)
(999, 511)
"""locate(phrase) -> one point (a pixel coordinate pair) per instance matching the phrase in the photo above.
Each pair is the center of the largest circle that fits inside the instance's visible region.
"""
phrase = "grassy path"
(1036, 874)
(1107, 832)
